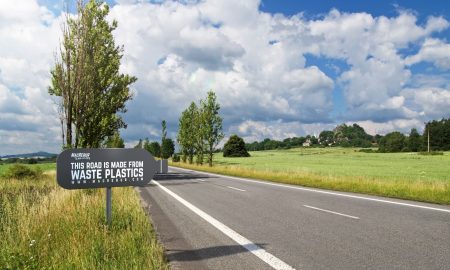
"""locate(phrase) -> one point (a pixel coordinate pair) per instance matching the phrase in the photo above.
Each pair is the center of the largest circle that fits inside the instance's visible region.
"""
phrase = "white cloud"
(277, 130)
(434, 102)
(29, 35)
(254, 61)
(402, 125)
(432, 50)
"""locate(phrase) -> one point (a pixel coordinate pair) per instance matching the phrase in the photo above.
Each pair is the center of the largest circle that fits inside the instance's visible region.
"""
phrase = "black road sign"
(99, 168)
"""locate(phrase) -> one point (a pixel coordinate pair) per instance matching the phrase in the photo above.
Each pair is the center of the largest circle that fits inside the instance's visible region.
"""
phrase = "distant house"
(307, 143)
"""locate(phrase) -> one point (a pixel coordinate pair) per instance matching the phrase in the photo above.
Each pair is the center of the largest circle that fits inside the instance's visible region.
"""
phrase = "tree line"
(200, 130)
(164, 150)
(355, 136)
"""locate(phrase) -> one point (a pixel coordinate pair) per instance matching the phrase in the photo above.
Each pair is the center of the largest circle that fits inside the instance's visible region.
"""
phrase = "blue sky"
(317, 9)
(279, 68)
(376, 8)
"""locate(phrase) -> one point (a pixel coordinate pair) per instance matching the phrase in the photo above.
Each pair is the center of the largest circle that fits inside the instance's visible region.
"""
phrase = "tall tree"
(351, 136)
(153, 148)
(212, 124)
(439, 132)
(186, 132)
(414, 141)
(139, 145)
(199, 134)
(168, 148)
(326, 137)
(392, 142)
(86, 76)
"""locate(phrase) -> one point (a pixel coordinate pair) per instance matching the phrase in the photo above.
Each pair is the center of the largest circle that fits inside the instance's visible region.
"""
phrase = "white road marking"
(331, 212)
(259, 252)
(238, 189)
(326, 192)
(201, 180)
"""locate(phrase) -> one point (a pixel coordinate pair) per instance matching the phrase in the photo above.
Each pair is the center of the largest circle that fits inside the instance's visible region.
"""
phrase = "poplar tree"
(86, 77)
(200, 130)
(212, 124)
(186, 132)
(199, 134)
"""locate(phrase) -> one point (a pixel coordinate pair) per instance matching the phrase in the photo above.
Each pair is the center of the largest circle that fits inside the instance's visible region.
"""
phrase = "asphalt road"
(208, 221)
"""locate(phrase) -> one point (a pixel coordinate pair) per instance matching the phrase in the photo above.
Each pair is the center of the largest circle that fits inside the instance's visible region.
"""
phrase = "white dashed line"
(238, 189)
(262, 182)
(259, 252)
(331, 212)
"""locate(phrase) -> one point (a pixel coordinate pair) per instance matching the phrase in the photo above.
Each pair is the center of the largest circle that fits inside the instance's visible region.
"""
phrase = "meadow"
(41, 166)
(43, 226)
(398, 175)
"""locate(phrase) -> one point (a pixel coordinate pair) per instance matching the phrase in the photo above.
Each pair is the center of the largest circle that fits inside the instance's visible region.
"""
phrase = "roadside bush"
(433, 153)
(367, 150)
(20, 171)
(235, 147)
(392, 142)
(176, 158)
(32, 161)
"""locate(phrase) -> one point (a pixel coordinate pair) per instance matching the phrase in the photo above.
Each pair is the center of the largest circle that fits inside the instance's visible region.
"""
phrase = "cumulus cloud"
(434, 102)
(434, 51)
(256, 63)
(402, 125)
(277, 130)
(29, 35)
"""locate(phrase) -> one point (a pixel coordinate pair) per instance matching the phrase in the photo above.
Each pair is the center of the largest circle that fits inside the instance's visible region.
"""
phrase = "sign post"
(108, 205)
(105, 168)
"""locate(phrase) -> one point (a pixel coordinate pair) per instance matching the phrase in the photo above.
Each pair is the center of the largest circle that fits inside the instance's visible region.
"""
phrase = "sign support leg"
(108, 205)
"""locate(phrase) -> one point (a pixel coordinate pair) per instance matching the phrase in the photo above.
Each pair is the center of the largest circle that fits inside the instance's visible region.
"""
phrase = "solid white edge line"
(329, 211)
(238, 189)
(261, 253)
(324, 192)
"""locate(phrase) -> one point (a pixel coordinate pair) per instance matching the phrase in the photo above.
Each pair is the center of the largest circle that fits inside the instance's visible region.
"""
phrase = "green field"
(43, 226)
(42, 166)
(399, 175)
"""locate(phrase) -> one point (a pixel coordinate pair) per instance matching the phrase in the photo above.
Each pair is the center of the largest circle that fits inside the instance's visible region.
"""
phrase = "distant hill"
(31, 155)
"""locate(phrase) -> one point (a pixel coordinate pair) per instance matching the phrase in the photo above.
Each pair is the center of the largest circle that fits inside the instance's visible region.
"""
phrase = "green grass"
(43, 226)
(399, 175)
(42, 166)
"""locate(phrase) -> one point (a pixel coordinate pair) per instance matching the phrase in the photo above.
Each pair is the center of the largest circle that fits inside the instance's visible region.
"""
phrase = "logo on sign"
(81, 156)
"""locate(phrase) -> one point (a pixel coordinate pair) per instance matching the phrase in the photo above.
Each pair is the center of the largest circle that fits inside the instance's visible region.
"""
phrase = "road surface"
(208, 221)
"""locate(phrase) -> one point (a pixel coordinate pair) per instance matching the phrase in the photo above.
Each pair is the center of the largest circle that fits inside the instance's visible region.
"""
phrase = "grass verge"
(433, 191)
(46, 227)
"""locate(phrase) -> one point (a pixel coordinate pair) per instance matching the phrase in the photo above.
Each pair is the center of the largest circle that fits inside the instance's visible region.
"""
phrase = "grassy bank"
(46, 227)
(400, 175)
(41, 166)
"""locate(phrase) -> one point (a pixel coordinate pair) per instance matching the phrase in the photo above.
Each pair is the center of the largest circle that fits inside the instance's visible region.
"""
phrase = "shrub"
(32, 161)
(168, 148)
(176, 158)
(432, 153)
(235, 147)
(20, 171)
(392, 142)
(154, 148)
(367, 150)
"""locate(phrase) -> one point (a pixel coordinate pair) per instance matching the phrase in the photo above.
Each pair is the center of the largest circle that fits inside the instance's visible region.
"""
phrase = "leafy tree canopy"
(235, 147)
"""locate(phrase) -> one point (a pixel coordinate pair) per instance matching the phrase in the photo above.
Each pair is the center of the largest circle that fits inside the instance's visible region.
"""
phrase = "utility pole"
(428, 139)
(163, 137)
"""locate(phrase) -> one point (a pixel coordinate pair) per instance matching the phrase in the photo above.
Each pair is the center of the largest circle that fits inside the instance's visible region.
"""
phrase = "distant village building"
(307, 143)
